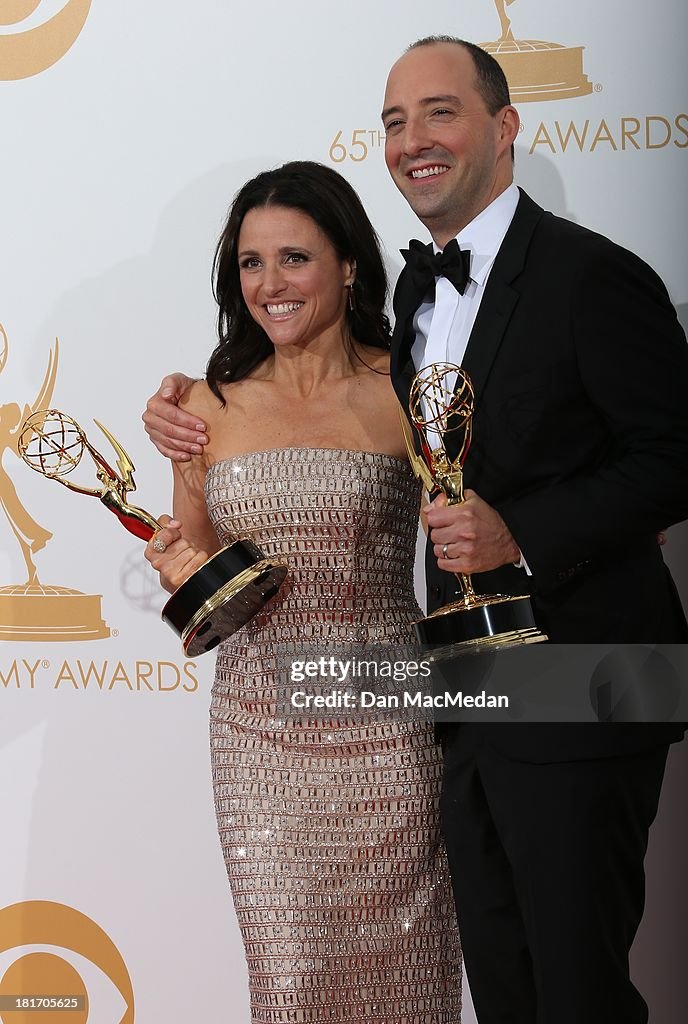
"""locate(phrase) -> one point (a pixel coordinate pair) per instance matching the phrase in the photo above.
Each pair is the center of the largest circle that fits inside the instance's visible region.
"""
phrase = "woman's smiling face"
(293, 283)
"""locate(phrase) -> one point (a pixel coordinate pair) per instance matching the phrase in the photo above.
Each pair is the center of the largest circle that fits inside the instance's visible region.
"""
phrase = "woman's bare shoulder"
(200, 400)
(376, 359)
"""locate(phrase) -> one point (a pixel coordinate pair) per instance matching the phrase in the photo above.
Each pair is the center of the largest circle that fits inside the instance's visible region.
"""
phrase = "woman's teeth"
(283, 307)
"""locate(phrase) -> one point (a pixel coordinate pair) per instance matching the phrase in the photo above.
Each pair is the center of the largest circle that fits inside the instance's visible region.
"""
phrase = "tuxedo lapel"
(401, 363)
(406, 293)
(501, 296)
(498, 303)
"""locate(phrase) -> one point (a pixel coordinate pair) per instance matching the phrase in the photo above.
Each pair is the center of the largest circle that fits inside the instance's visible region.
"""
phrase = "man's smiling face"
(448, 156)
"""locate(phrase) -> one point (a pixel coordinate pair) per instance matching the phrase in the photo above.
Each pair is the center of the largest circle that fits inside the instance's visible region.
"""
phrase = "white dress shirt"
(443, 326)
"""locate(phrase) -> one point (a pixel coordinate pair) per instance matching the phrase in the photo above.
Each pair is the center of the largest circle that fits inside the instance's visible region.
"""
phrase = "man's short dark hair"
(491, 80)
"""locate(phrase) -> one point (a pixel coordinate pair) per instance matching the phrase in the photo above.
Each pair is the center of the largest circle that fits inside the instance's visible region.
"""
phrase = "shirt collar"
(485, 233)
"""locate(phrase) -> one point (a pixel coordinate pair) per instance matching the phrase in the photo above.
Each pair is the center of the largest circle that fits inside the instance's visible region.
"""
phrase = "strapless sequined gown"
(329, 829)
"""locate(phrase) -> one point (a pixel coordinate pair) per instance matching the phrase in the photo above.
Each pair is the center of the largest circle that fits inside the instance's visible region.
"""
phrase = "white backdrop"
(119, 159)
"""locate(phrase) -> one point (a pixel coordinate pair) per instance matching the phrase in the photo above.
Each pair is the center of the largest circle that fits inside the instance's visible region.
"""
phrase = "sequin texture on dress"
(329, 828)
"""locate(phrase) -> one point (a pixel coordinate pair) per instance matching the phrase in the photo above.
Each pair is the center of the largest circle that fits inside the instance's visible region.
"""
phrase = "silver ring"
(159, 545)
(444, 550)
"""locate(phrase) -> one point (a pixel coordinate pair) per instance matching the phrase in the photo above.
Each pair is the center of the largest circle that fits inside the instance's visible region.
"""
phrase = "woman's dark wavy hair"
(329, 200)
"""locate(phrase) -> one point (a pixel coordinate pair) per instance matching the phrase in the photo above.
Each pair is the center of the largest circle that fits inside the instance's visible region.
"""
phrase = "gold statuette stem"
(455, 497)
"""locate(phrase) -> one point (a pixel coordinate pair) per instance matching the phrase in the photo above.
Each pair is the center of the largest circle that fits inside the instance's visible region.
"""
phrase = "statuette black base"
(221, 596)
(493, 622)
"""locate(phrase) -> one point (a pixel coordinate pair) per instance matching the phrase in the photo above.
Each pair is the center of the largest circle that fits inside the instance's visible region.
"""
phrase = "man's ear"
(509, 123)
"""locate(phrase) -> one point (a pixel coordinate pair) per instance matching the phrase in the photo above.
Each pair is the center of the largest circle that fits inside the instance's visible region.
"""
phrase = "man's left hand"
(476, 537)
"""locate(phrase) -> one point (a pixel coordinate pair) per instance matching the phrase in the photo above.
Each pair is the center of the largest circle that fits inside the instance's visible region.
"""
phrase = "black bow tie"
(424, 266)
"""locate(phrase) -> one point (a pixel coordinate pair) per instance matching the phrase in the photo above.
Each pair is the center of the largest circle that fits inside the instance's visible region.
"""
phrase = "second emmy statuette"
(441, 404)
(217, 599)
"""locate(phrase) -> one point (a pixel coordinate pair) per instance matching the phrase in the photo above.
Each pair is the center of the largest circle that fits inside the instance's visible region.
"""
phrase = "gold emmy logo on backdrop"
(536, 70)
(23, 54)
(33, 610)
(45, 986)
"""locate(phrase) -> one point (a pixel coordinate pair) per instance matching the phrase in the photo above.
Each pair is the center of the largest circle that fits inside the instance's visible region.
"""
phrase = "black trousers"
(547, 869)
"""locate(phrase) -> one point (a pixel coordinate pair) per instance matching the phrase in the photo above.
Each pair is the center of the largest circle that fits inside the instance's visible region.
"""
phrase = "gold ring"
(444, 550)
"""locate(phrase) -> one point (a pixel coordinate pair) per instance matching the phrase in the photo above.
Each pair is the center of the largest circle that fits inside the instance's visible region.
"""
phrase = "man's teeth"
(427, 171)
(284, 307)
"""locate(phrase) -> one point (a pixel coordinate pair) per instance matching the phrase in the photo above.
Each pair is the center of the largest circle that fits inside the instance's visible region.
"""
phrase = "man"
(579, 459)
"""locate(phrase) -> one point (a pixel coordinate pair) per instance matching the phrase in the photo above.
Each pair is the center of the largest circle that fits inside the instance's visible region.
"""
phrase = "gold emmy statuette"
(535, 69)
(441, 404)
(220, 597)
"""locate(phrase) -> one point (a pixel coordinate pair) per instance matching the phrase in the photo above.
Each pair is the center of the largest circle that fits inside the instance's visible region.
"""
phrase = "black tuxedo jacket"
(580, 441)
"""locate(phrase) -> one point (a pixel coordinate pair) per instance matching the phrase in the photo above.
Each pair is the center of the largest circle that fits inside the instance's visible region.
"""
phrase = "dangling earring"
(352, 298)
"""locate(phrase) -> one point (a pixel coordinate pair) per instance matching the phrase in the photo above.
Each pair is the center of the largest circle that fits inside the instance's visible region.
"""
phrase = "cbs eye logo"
(89, 983)
(28, 51)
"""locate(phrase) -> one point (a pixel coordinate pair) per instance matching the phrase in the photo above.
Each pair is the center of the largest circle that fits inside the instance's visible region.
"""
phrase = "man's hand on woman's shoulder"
(176, 434)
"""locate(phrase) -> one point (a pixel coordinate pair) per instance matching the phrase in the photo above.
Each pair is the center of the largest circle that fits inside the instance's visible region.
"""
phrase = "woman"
(329, 828)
